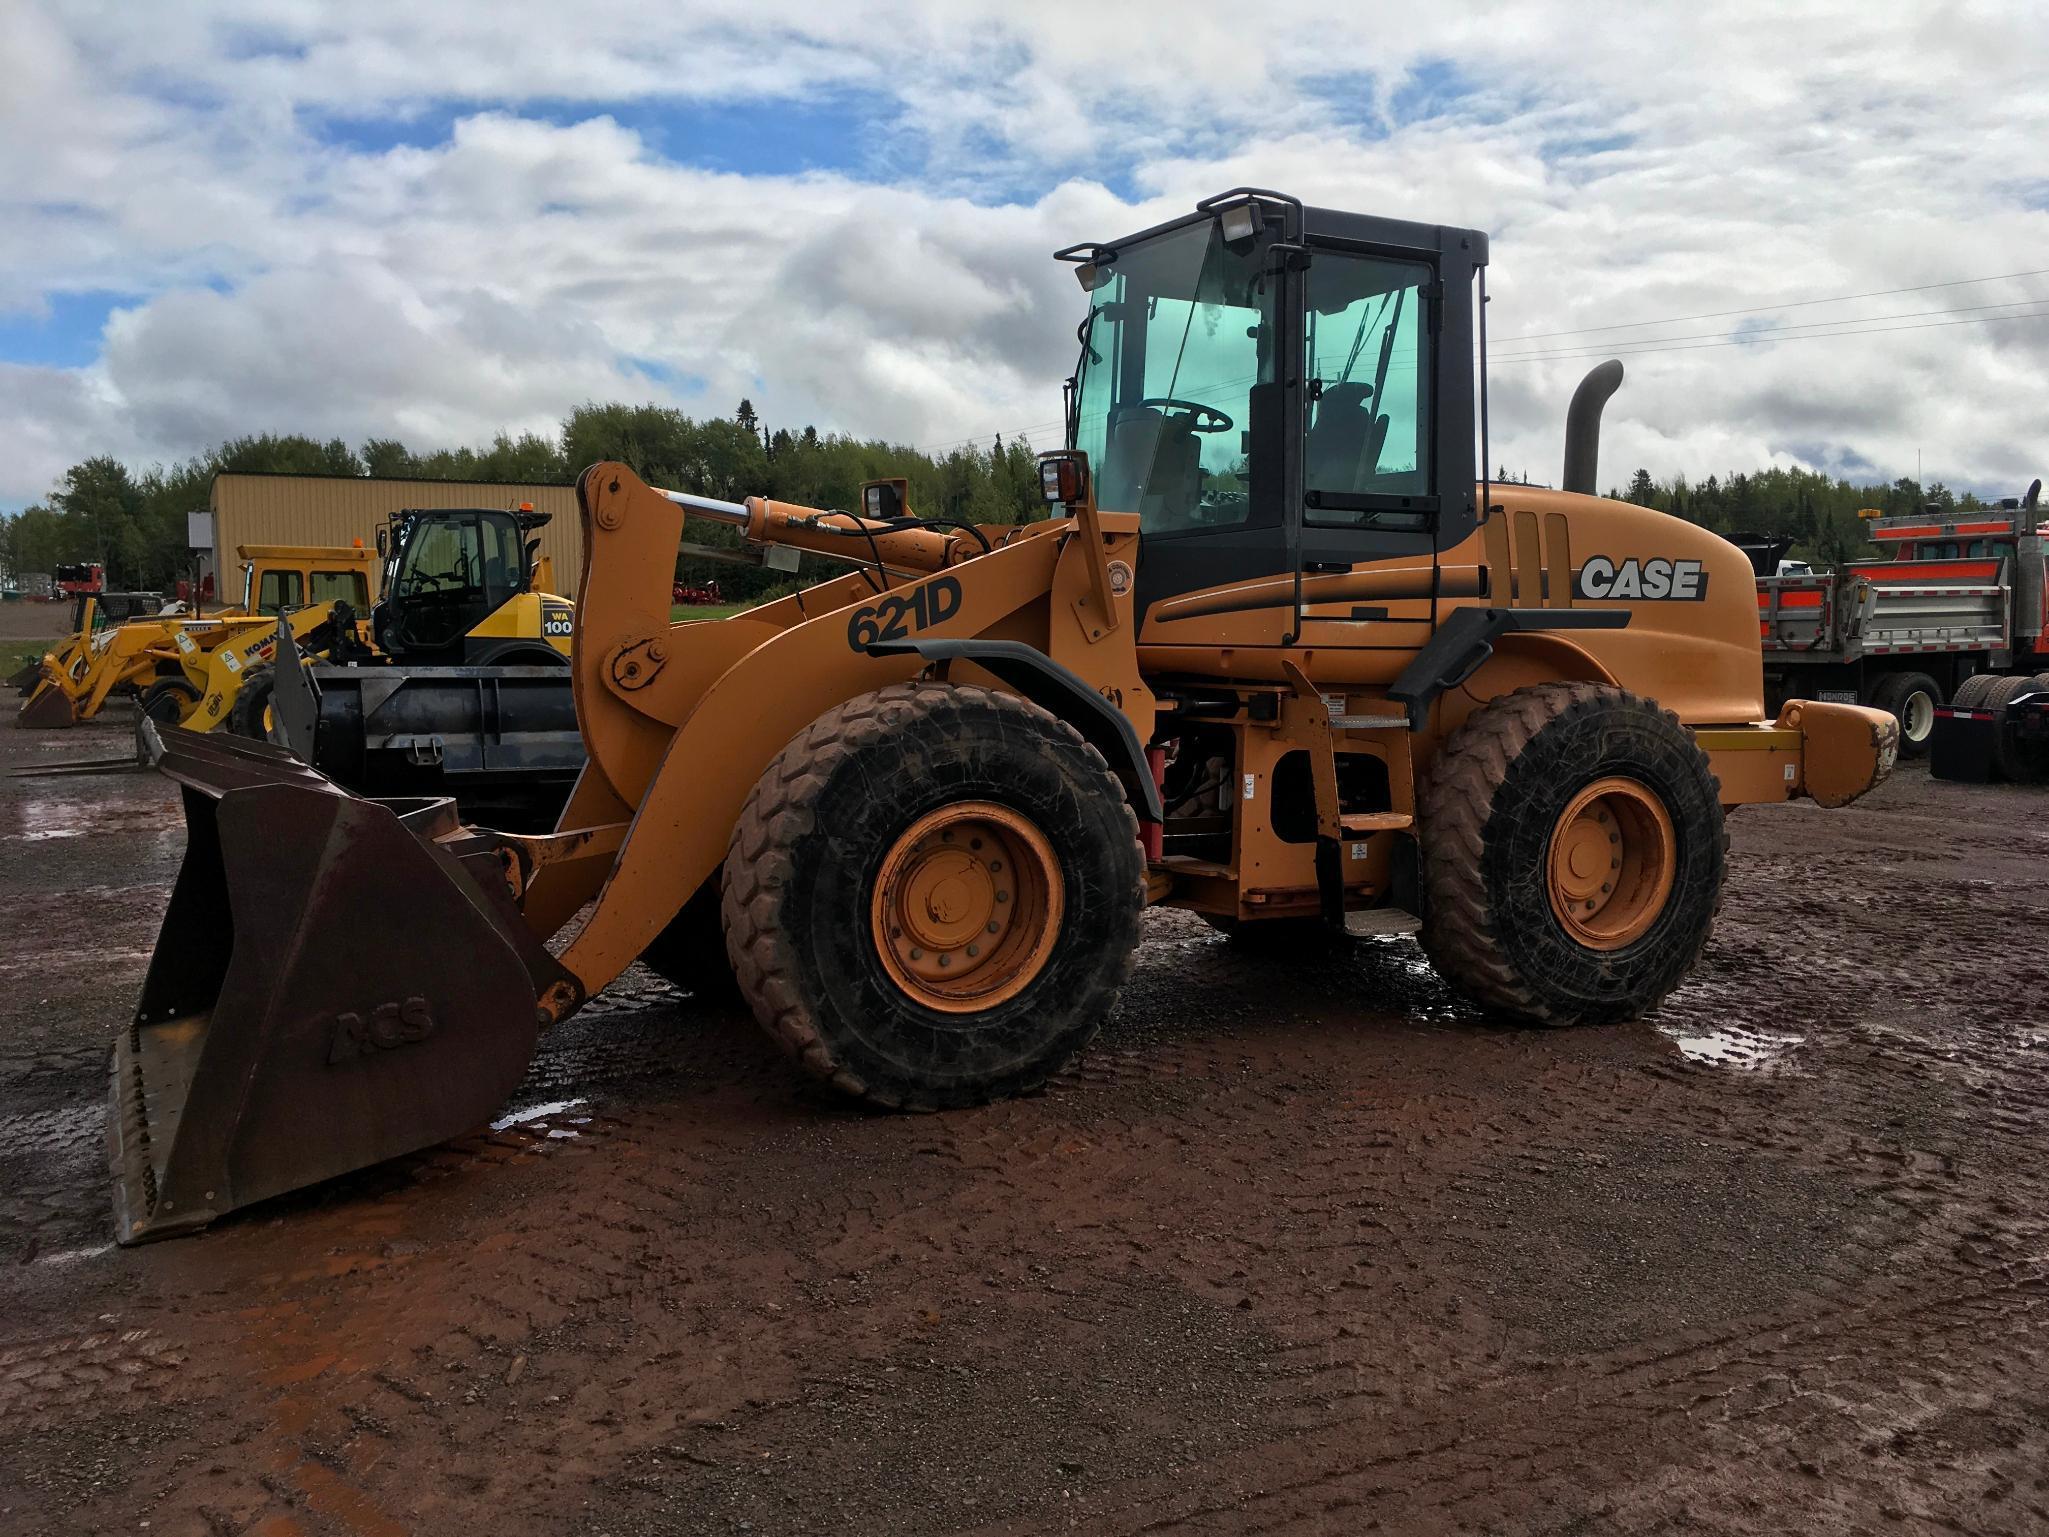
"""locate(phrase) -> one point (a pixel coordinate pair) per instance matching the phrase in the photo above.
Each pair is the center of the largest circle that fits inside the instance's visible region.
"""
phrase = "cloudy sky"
(435, 221)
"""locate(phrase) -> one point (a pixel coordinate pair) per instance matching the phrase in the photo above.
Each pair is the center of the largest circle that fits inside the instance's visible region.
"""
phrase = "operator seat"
(1152, 465)
(1341, 450)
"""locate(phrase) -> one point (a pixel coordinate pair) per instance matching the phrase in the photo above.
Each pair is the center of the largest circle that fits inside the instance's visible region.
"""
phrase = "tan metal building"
(339, 509)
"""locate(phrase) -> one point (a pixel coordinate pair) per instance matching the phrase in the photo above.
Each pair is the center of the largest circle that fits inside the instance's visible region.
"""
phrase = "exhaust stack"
(1583, 426)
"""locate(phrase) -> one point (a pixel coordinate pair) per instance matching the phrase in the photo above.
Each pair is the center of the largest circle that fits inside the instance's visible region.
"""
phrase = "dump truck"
(1956, 596)
(1276, 655)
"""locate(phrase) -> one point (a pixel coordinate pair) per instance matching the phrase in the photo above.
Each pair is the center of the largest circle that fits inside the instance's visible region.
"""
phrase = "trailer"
(1955, 596)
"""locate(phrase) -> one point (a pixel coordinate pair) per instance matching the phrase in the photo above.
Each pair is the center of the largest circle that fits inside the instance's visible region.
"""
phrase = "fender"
(1031, 674)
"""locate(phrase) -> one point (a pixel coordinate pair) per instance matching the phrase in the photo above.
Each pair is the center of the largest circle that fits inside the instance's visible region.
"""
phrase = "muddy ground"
(1312, 1251)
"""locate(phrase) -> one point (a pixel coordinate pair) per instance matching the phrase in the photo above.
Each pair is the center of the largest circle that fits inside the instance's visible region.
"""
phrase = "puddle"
(1733, 1046)
(73, 1256)
(47, 834)
(547, 1112)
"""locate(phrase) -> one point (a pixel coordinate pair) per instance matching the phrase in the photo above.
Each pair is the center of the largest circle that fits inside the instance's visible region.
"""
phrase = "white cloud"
(1629, 161)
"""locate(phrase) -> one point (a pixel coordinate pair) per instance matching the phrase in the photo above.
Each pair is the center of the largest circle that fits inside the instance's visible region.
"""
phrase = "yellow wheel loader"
(460, 588)
(161, 659)
(1276, 658)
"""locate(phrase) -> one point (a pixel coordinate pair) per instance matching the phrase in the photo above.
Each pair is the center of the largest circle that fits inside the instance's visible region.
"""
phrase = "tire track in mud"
(1295, 1249)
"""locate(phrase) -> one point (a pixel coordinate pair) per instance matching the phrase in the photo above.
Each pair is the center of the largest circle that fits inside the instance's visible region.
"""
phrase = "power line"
(1759, 309)
(1643, 346)
(1770, 333)
(1626, 351)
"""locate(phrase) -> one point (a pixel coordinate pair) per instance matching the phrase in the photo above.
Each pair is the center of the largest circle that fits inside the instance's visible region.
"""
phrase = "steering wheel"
(1206, 418)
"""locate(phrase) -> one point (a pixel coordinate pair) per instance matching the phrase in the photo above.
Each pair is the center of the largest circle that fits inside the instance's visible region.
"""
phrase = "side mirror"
(382, 552)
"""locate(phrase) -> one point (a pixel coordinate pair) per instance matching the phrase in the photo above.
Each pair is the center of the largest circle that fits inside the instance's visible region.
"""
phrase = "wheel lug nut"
(917, 954)
(1003, 896)
(944, 959)
(995, 867)
(992, 928)
(974, 949)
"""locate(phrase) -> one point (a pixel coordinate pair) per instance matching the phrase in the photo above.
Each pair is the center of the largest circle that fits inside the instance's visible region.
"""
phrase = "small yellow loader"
(161, 659)
(1278, 656)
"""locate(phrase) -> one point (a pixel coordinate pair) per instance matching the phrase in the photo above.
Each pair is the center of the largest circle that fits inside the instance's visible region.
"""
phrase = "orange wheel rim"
(1613, 857)
(967, 906)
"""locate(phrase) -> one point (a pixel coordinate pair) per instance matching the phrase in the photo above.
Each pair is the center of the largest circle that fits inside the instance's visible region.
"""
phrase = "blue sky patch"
(65, 335)
(834, 131)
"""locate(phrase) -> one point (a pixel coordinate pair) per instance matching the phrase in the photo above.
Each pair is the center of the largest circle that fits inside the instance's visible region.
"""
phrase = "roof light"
(526, 506)
(1239, 222)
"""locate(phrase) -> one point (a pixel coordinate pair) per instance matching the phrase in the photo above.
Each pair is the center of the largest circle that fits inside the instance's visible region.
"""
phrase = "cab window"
(1177, 362)
(1367, 431)
(350, 587)
(278, 591)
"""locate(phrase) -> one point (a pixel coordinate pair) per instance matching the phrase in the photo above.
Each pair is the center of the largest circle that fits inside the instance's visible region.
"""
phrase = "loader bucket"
(48, 707)
(331, 987)
(24, 678)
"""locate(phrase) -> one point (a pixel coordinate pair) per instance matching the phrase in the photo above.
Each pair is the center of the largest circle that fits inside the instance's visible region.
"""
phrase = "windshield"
(476, 556)
(1177, 357)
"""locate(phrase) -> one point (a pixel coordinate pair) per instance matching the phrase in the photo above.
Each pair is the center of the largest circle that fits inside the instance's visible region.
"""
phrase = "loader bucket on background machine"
(331, 987)
(46, 709)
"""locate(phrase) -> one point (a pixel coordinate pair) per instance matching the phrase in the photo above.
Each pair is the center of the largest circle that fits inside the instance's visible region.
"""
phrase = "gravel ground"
(1301, 1250)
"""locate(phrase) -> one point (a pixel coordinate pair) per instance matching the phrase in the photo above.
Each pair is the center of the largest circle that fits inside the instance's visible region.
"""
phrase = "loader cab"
(1271, 386)
(448, 571)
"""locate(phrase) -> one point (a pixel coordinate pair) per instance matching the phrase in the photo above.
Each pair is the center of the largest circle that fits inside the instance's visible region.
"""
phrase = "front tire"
(933, 895)
(1573, 849)
(168, 701)
(249, 715)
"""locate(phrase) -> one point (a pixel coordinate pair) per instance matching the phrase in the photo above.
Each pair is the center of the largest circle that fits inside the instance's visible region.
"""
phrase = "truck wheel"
(2014, 761)
(1572, 848)
(1910, 698)
(249, 715)
(691, 952)
(1970, 694)
(168, 701)
(933, 895)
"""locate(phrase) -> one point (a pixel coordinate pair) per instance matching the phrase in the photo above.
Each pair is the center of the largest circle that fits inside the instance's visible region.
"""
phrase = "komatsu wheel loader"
(1278, 657)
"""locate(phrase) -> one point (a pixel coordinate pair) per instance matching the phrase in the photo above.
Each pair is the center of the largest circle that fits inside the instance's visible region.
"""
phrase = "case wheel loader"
(1275, 658)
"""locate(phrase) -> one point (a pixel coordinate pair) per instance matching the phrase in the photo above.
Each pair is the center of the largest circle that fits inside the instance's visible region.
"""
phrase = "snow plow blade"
(338, 981)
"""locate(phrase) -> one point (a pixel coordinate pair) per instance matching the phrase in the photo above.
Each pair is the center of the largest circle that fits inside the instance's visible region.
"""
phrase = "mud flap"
(331, 987)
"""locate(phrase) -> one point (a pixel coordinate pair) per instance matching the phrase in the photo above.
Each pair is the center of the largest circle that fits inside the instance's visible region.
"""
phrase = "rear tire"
(168, 701)
(1970, 694)
(910, 824)
(249, 715)
(2013, 761)
(1573, 848)
(1910, 698)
